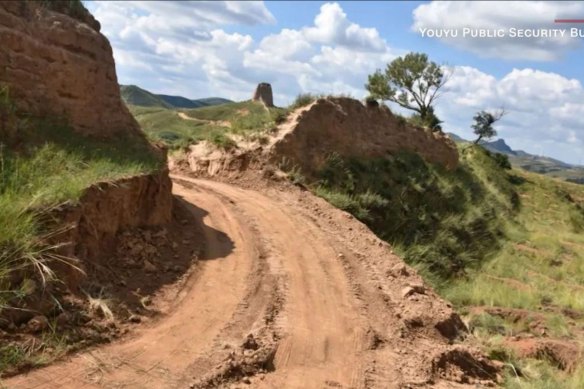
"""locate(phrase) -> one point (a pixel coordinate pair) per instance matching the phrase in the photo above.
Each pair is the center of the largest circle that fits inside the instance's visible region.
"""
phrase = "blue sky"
(202, 49)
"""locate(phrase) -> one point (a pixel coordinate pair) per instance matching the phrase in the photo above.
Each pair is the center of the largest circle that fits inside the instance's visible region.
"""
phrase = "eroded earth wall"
(351, 129)
(56, 63)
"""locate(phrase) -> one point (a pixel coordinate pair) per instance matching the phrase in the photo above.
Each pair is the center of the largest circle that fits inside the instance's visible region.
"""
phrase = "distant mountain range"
(533, 163)
(134, 95)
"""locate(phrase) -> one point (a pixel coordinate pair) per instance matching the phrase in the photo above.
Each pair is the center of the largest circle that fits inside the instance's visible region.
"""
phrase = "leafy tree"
(413, 82)
(483, 124)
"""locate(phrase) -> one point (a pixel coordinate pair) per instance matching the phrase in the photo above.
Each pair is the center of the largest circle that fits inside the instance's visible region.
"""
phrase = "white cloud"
(332, 26)
(545, 110)
(179, 15)
(494, 15)
(570, 113)
(186, 42)
(469, 86)
(332, 56)
(182, 48)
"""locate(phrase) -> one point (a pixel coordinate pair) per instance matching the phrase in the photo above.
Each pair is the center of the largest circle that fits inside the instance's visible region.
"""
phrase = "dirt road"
(221, 123)
(291, 293)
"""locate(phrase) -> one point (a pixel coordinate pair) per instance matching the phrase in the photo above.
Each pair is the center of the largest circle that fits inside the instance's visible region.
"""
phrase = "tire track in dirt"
(321, 298)
(322, 330)
(158, 356)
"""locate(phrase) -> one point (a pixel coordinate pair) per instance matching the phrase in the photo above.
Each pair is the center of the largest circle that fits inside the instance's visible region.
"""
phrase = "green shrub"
(169, 137)
(280, 117)
(222, 140)
(362, 206)
(303, 100)
(296, 177)
(371, 102)
(431, 121)
(501, 160)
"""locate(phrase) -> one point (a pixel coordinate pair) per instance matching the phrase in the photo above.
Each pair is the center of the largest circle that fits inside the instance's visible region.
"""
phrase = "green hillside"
(183, 102)
(180, 128)
(134, 95)
(533, 163)
(176, 101)
(209, 101)
(131, 94)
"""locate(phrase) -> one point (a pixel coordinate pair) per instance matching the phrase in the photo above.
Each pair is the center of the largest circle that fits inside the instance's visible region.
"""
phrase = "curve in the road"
(319, 326)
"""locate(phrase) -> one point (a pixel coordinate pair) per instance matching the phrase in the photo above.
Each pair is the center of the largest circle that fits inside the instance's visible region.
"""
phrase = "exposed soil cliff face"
(349, 128)
(106, 209)
(90, 231)
(58, 64)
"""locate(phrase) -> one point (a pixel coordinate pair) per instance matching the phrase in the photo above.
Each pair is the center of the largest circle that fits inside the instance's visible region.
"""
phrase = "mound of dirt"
(563, 354)
(312, 133)
(347, 127)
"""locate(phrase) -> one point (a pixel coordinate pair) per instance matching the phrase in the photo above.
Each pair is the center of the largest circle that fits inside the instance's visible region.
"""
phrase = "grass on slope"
(543, 260)
(167, 126)
(49, 164)
(244, 116)
(443, 222)
(540, 271)
(485, 237)
(207, 123)
(132, 94)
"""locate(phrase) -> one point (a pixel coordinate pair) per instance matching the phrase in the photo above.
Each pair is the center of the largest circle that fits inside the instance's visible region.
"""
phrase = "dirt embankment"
(312, 133)
(351, 129)
(58, 64)
(107, 209)
(89, 234)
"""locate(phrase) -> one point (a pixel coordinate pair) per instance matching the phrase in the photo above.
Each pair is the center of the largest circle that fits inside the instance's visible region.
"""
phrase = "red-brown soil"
(289, 292)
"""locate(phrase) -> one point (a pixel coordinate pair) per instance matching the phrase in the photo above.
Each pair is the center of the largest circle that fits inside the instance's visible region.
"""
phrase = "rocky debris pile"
(134, 282)
(248, 364)
(139, 249)
(264, 94)
(466, 366)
